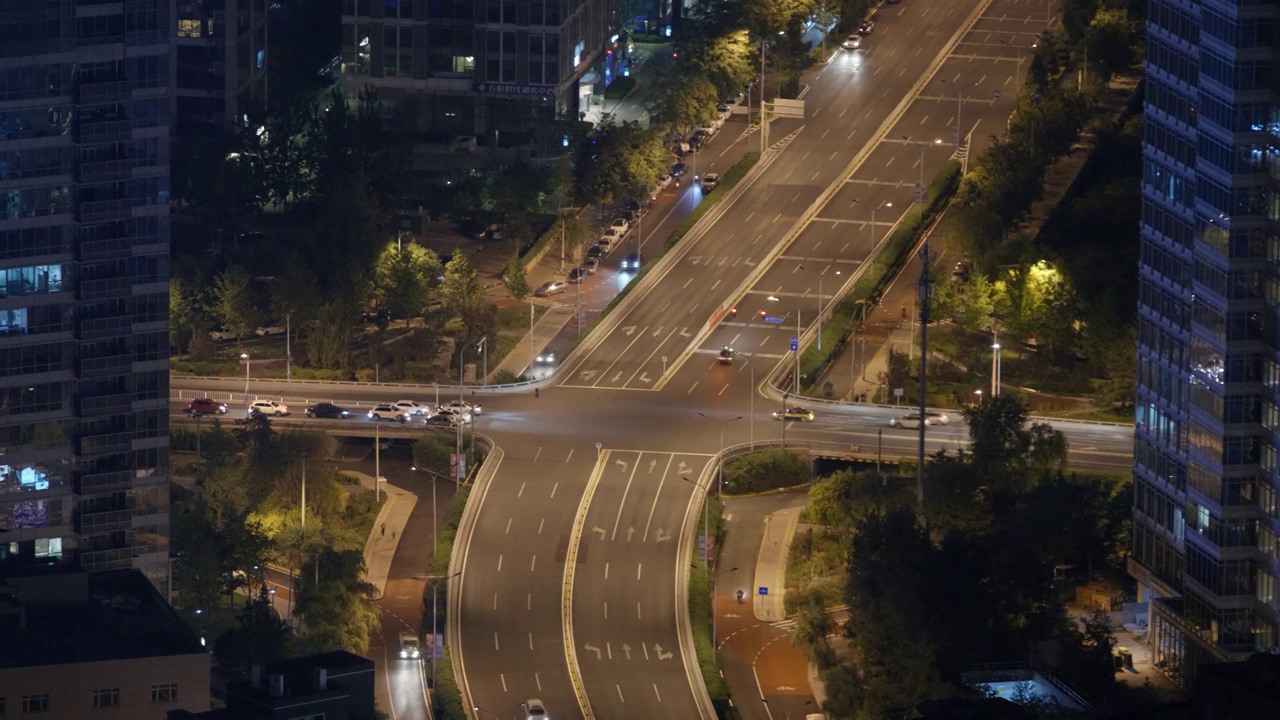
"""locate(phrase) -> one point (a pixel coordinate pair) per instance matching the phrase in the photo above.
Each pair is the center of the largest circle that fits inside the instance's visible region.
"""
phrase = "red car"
(205, 406)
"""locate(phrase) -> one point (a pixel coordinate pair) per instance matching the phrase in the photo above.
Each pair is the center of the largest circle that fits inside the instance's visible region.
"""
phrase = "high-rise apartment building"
(482, 68)
(84, 254)
(1206, 467)
(218, 73)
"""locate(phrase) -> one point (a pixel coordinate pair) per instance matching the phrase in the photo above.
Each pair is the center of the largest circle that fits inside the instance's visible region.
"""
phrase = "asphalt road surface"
(589, 490)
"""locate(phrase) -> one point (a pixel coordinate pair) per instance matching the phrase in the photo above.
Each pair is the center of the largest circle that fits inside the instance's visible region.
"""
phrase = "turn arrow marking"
(661, 655)
(629, 330)
(594, 649)
(598, 530)
(616, 377)
(662, 536)
(644, 378)
(587, 374)
(621, 462)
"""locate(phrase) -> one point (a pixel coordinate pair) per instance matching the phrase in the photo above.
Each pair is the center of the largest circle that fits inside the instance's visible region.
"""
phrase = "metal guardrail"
(489, 388)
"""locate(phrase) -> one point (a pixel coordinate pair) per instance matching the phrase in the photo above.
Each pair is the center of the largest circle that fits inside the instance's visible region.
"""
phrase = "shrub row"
(764, 470)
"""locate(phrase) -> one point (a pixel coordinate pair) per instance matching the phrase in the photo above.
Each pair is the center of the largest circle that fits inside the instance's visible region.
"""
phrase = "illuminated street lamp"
(245, 357)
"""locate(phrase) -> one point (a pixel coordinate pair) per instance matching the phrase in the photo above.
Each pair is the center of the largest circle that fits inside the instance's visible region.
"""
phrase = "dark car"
(205, 406)
(328, 410)
(632, 261)
(866, 27)
(726, 356)
(595, 252)
(577, 275)
(679, 169)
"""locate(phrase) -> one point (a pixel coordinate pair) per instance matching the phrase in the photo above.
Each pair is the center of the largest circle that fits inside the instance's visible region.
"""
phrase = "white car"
(853, 42)
(221, 335)
(460, 405)
(710, 181)
(612, 235)
(913, 420)
(546, 357)
(268, 407)
(621, 224)
(452, 416)
(411, 407)
(269, 330)
(535, 710)
(387, 412)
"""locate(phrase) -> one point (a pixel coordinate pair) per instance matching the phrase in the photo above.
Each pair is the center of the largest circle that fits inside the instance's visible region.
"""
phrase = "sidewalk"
(384, 538)
(771, 564)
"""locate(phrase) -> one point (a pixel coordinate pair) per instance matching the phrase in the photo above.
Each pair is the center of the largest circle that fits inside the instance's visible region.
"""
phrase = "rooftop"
(53, 616)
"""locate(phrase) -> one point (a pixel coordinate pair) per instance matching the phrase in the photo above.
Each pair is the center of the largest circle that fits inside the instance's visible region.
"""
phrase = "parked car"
(723, 107)
(710, 181)
(794, 413)
(412, 407)
(461, 405)
(387, 411)
(269, 331)
(679, 169)
(327, 410)
(632, 261)
(268, 407)
(613, 234)
(591, 265)
(547, 289)
(205, 406)
(595, 252)
(621, 224)
(664, 182)
(853, 42)
(577, 275)
(223, 335)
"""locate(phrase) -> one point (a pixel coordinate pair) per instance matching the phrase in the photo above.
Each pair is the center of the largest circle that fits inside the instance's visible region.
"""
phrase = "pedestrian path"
(388, 528)
(771, 565)
(544, 330)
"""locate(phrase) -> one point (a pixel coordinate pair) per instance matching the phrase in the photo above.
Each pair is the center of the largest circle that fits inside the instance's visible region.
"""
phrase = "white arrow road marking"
(786, 687)
(644, 378)
(684, 469)
(662, 655)
(653, 463)
(684, 332)
(594, 649)
(695, 259)
(630, 533)
(616, 377)
(662, 536)
(657, 332)
(750, 262)
(629, 330)
(626, 649)
(598, 530)
(621, 462)
(587, 374)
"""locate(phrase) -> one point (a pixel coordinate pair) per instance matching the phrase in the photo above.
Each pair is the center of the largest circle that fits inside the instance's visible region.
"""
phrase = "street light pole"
(819, 276)
(752, 412)
(720, 468)
(288, 352)
(245, 357)
(377, 460)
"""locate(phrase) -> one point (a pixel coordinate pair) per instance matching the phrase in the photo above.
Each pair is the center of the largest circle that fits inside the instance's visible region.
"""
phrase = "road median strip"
(457, 554)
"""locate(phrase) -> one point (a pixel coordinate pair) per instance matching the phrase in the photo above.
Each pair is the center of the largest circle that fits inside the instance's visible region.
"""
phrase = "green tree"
(184, 317)
(235, 306)
(432, 452)
(765, 470)
(724, 58)
(258, 638)
(514, 278)
(338, 609)
(294, 292)
(461, 288)
(521, 187)
(406, 275)
(997, 436)
(684, 100)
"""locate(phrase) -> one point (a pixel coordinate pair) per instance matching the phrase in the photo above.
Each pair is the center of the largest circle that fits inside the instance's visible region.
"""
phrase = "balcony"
(121, 364)
(105, 444)
(106, 289)
(119, 404)
(103, 171)
(105, 482)
(98, 250)
(104, 328)
(104, 92)
(103, 132)
(104, 211)
(103, 522)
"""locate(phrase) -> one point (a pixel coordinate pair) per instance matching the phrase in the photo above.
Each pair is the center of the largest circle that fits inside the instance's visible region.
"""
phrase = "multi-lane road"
(573, 567)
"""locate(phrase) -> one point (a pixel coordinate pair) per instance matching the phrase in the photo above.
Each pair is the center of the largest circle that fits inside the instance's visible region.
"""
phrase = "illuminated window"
(464, 63)
(189, 28)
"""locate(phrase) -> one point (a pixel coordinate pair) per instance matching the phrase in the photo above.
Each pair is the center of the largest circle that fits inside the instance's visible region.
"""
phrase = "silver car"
(912, 420)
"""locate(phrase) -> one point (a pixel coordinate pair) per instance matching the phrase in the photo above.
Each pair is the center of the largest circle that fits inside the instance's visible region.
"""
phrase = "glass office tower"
(1207, 424)
(84, 255)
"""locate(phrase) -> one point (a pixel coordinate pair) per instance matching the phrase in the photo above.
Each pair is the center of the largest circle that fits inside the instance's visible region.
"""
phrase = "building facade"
(84, 250)
(218, 72)
(481, 68)
(1206, 517)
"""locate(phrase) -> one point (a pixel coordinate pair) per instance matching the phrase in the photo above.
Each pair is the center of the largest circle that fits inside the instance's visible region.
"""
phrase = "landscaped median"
(880, 271)
(700, 615)
(448, 698)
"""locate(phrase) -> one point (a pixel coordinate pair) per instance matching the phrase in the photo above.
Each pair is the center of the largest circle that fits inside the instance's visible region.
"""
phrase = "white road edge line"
(566, 596)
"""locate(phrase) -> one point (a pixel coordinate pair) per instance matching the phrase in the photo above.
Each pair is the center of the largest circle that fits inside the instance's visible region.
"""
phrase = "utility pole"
(924, 290)
(288, 353)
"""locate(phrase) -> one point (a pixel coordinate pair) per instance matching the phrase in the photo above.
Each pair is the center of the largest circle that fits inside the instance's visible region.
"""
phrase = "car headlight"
(346, 412)
(370, 414)
(404, 654)
(415, 653)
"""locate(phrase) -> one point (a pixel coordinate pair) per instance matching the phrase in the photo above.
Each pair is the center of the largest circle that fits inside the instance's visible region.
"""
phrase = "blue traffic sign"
(795, 344)
(773, 320)
(763, 591)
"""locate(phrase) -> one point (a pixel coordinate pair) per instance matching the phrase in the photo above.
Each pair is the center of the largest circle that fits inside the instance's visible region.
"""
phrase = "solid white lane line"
(655, 692)
(623, 502)
(627, 349)
(652, 508)
(500, 675)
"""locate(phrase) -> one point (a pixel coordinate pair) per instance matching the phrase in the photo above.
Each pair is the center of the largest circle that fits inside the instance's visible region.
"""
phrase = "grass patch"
(516, 317)
(620, 88)
(879, 273)
(765, 470)
(700, 616)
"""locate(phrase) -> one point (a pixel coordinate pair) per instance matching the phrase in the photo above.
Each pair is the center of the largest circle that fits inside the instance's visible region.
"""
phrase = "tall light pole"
(483, 348)
(920, 198)
(924, 291)
(720, 468)
(995, 366)
(819, 276)
(959, 86)
(377, 460)
(435, 634)
(245, 358)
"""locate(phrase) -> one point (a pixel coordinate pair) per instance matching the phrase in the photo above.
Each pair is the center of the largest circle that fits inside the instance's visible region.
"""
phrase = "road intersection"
(571, 572)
